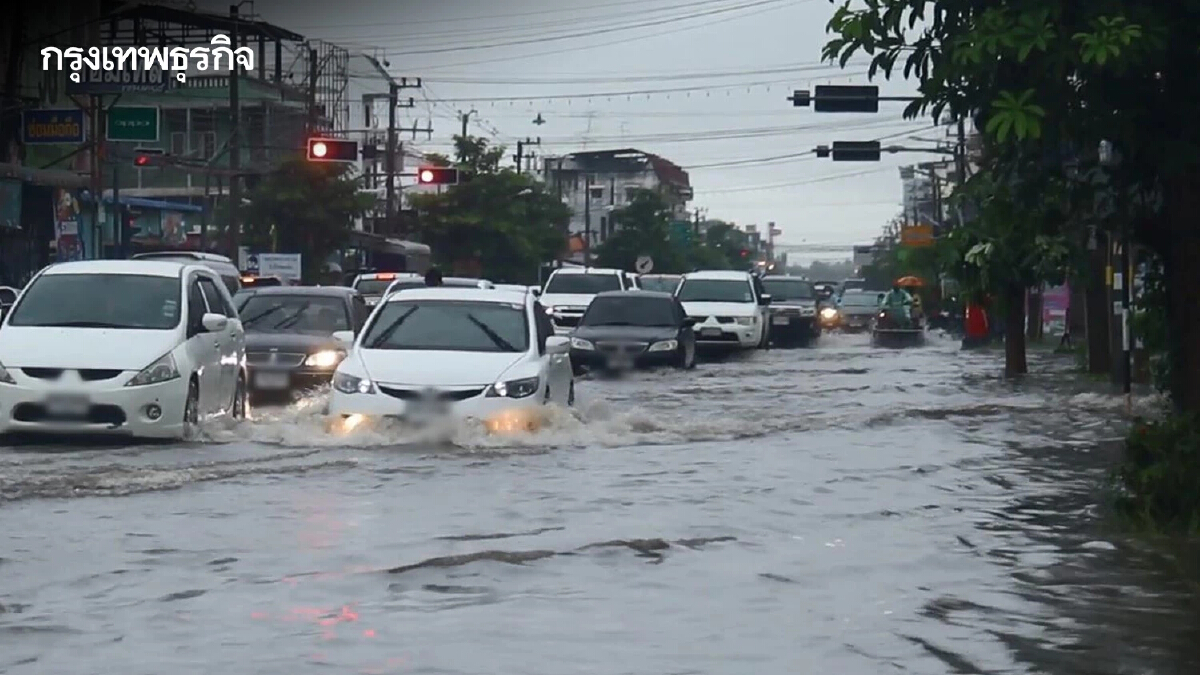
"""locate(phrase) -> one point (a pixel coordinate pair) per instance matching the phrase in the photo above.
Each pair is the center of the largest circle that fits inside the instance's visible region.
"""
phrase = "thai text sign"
(99, 63)
(118, 81)
(133, 123)
(917, 234)
(52, 126)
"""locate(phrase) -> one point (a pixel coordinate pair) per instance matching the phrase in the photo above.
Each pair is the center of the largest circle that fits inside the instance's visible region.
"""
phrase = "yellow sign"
(920, 234)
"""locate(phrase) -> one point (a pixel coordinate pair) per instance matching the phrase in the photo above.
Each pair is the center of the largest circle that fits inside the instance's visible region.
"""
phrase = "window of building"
(630, 193)
(596, 192)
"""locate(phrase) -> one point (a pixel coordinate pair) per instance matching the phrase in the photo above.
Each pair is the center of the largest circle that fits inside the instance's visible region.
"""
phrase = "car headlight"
(580, 343)
(5, 378)
(549, 310)
(746, 320)
(162, 370)
(349, 384)
(828, 313)
(325, 359)
(523, 388)
(664, 346)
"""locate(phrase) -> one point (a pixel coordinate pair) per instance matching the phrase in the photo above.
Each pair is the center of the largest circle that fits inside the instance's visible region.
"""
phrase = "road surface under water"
(834, 510)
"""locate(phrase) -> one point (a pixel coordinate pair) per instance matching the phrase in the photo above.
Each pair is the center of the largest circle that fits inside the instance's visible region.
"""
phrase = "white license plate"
(272, 381)
(710, 332)
(65, 405)
(780, 320)
(620, 363)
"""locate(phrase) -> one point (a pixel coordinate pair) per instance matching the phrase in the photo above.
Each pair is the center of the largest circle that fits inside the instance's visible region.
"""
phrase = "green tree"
(304, 207)
(644, 229)
(503, 220)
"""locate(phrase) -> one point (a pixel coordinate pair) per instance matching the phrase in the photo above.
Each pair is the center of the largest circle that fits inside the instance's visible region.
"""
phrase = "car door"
(203, 348)
(232, 339)
(558, 367)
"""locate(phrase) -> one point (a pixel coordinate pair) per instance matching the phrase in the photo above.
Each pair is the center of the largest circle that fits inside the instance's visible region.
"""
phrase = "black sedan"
(289, 335)
(633, 329)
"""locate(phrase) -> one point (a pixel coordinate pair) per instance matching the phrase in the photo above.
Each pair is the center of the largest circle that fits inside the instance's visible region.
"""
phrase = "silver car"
(856, 309)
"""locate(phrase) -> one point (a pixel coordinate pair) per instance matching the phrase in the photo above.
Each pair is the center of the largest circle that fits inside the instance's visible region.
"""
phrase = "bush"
(1159, 480)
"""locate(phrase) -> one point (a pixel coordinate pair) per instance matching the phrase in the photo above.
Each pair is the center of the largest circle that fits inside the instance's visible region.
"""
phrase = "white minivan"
(125, 347)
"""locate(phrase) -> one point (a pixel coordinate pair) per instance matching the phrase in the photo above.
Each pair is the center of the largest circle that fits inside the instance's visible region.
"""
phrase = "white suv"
(570, 290)
(730, 308)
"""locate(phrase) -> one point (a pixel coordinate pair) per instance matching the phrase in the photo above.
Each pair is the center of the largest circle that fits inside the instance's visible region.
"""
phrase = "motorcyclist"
(898, 303)
(433, 277)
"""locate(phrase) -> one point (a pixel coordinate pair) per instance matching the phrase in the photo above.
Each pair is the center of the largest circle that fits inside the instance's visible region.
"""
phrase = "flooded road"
(840, 509)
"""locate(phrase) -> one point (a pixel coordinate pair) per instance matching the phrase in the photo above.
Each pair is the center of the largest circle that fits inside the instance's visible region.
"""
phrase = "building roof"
(216, 23)
(631, 160)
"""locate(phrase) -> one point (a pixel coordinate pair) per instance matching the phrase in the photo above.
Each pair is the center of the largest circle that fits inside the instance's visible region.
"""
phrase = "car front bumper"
(730, 335)
(794, 325)
(111, 410)
(289, 380)
(497, 414)
(592, 358)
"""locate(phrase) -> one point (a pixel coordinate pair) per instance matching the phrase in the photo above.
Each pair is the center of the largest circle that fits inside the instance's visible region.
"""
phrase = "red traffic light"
(745, 253)
(141, 160)
(332, 150)
(144, 157)
(436, 175)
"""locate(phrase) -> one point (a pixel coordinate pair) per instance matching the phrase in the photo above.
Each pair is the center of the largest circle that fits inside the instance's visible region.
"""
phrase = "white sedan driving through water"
(473, 354)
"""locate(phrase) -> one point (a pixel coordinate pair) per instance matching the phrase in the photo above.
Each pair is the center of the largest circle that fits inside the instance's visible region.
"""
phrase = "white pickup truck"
(570, 290)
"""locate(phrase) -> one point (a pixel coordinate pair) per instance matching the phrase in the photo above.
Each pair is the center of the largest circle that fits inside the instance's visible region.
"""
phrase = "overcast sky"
(702, 83)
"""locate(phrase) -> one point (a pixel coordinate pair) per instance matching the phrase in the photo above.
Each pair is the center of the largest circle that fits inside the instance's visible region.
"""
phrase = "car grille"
(85, 374)
(97, 414)
(411, 394)
(289, 359)
(567, 321)
(622, 347)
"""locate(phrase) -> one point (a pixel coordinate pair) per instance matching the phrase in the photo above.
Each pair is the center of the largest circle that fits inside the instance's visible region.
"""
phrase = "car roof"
(587, 270)
(785, 276)
(330, 291)
(153, 268)
(728, 275)
(465, 294)
(635, 294)
(193, 255)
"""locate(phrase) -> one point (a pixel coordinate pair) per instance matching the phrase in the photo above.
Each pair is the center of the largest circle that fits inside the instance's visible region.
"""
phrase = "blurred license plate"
(780, 320)
(620, 363)
(425, 409)
(67, 405)
(272, 380)
(710, 332)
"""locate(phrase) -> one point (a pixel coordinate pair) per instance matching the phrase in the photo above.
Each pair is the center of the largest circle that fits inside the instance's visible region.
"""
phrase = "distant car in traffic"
(570, 290)
(467, 353)
(144, 348)
(290, 346)
(372, 286)
(793, 309)
(731, 309)
(856, 310)
(633, 329)
(663, 283)
(254, 281)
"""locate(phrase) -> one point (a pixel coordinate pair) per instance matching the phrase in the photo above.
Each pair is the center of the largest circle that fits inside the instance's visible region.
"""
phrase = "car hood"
(720, 308)
(565, 300)
(436, 368)
(305, 342)
(623, 333)
(48, 347)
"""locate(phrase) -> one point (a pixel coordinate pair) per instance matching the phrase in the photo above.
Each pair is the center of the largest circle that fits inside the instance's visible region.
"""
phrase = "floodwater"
(831, 510)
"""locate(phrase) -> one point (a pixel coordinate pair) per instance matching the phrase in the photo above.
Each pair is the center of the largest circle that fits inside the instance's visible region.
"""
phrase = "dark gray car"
(856, 309)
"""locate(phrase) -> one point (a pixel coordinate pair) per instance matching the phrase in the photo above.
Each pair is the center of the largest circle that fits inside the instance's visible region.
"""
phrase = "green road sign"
(133, 123)
(681, 231)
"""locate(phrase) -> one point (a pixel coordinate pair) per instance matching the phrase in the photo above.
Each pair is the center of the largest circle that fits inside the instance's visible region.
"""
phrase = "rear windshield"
(375, 286)
(583, 284)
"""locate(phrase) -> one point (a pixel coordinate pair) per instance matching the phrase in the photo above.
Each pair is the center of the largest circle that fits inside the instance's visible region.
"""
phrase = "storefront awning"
(47, 177)
(143, 203)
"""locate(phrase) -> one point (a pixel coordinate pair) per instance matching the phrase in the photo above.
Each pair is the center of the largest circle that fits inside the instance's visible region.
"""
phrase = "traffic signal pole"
(235, 149)
(389, 161)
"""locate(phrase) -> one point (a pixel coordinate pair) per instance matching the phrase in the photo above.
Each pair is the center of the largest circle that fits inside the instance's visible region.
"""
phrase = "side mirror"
(690, 321)
(345, 337)
(558, 344)
(537, 292)
(764, 299)
(214, 323)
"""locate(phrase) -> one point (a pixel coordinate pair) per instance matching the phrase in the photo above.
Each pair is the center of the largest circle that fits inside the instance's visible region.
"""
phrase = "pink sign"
(1055, 301)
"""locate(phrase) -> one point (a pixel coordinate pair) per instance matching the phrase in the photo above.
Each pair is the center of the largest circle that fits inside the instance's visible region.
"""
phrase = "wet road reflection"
(839, 509)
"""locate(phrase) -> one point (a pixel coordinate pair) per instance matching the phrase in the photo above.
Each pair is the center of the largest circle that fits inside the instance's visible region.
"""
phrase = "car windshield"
(629, 311)
(660, 284)
(375, 286)
(860, 300)
(715, 290)
(788, 289)
(132, 301)
(583, 284)
(449, 325)
(294, 314)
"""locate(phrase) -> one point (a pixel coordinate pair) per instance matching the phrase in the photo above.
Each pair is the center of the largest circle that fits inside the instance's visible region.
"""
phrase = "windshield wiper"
(260, 315)
(499, 341)
(291, 320)
(387, 332)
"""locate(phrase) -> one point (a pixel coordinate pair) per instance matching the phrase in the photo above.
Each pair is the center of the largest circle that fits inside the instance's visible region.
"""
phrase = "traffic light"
(745, 253)
(846, 99)
(436, 175)
(332, 150)
(856, 151)
(145, 157)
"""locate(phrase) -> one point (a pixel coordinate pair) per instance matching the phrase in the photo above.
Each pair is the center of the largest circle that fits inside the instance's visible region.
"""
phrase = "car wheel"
(238, 409)
(191, 412)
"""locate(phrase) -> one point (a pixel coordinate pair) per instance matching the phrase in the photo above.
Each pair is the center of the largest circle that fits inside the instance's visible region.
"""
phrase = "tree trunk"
(1034, 306)
(1182, 265)
(1096, 311)
(1014, 331)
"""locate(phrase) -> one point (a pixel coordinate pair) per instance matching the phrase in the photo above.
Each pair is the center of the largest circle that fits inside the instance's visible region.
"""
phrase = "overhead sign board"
(917, 234)
(119, 81)
(52, 126)
(133, 123)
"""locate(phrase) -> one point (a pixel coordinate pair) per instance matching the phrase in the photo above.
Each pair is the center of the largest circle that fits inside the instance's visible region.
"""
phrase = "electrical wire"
(810, 181)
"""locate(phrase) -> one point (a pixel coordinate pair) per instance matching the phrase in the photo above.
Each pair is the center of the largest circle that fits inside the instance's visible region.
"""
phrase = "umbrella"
(909, 281)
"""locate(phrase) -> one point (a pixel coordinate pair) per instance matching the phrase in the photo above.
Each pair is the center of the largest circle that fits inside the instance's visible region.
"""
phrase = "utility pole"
(97, 182)
(520, 156)
(1126, 341)
(313, 67)
(389, 160)
(235, 148)
(465, 118)
(587, 220)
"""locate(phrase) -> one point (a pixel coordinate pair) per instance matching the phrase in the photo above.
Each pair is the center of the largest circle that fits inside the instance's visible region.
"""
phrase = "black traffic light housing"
(846, 99)
(332, 150)
(438, 175)
(856, 151)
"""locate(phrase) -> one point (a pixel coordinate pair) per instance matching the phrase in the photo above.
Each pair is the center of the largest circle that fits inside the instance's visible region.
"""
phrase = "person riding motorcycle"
(897, 303)
(918, 312)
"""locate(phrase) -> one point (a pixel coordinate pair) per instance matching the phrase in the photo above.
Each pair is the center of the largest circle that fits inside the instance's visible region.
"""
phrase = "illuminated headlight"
(162, 370)
(326, 359)
(664, 346)
(549, 310)
(580, 343)
(746, 320)
(5, 378)
(828, 313)
(523, 388)
(349, 384)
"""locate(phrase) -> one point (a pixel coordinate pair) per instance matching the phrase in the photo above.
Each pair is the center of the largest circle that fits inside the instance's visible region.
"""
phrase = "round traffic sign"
(644, 264)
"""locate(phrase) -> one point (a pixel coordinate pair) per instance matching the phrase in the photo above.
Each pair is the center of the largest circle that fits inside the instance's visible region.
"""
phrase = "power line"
(810, 181)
